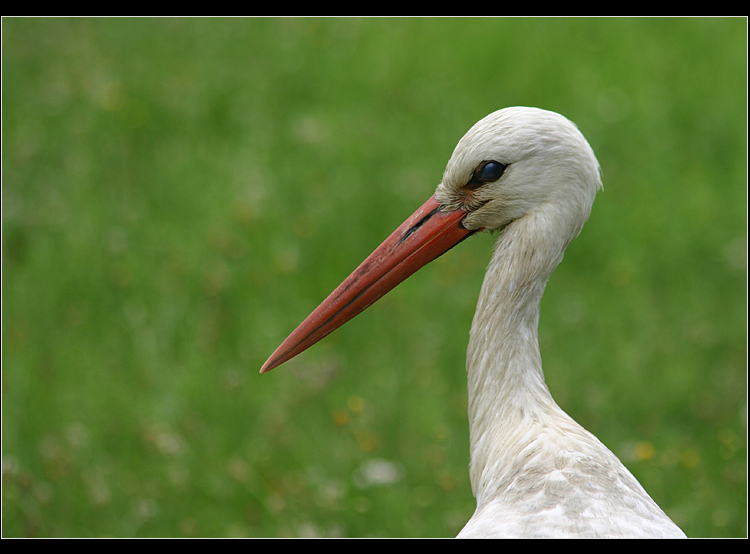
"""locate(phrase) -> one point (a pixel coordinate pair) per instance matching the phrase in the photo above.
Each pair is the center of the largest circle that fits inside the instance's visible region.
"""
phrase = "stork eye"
(489, 171)
(486, 172)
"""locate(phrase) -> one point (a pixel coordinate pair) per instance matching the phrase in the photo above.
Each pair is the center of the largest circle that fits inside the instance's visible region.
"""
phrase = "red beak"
(427, 234)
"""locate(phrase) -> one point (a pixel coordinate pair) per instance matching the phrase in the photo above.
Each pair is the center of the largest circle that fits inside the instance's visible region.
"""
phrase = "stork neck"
(505, 379)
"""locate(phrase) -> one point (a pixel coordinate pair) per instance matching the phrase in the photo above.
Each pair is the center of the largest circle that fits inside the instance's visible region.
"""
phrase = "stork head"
(516, 160)
(512, 163)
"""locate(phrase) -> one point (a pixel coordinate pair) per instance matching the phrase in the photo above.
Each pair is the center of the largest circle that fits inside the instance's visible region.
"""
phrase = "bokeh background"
(178, 193)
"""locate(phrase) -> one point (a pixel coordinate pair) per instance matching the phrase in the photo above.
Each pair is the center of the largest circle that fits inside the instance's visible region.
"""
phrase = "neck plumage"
(507, 393)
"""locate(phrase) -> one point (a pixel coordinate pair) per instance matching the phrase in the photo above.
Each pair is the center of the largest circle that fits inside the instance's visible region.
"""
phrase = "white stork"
(535, 472)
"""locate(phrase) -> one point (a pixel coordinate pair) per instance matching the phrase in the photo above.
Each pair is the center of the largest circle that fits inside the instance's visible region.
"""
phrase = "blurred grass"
(179, 193)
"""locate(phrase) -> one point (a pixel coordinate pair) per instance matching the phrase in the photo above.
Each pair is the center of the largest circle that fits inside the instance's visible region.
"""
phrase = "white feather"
(534, 471)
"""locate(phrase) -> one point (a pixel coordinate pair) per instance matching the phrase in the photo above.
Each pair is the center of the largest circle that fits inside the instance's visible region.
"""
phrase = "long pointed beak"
(427, 234)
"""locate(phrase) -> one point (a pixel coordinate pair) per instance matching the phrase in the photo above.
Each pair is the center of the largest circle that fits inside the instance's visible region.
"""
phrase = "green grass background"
(179, 193)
